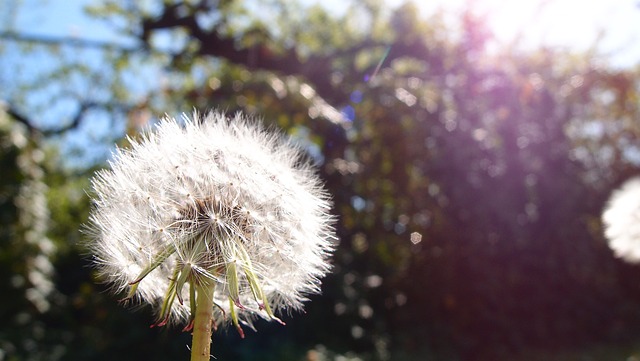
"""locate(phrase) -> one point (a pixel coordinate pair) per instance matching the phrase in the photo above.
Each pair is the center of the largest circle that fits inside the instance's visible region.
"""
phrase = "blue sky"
(571, 23)
(575, 24)
(55, 18)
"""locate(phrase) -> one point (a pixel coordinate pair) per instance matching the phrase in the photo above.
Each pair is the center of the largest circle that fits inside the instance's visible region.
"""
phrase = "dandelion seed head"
(217, 199)
(621, 220)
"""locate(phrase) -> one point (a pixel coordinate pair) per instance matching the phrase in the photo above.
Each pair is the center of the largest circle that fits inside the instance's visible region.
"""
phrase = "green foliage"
(26, 253)
(468, 184)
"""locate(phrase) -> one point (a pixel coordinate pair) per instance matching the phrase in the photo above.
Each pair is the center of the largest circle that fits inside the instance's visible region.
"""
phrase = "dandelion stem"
(201, 342)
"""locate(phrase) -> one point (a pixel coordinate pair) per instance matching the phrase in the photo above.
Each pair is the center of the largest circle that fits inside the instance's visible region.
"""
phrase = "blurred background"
(470, 147)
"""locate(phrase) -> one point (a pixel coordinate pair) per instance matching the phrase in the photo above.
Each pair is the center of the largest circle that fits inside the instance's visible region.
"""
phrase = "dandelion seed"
(621, 220)
(214, 205)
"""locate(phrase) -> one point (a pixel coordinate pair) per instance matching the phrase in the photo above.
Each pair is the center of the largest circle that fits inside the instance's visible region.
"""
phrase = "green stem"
(203, 321)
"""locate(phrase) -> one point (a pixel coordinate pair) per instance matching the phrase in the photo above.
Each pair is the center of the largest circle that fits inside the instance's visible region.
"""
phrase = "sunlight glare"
(609, 25)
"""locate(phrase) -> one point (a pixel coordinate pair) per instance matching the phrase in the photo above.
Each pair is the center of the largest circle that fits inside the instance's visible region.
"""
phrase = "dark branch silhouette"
(76, 119)
(16, 115)
(315, 69)
(65, 40)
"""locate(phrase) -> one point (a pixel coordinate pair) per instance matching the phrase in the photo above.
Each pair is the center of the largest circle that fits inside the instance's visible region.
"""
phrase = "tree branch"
(19, 117)
(65, 40)
(316, 69)
(76, 120)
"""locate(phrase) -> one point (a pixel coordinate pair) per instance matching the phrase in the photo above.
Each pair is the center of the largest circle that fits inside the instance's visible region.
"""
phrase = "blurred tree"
(26, 253)
(468, 183)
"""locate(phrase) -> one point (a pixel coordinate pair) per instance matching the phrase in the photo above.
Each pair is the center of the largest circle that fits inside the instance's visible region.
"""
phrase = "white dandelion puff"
(214, 203)
(621, 220)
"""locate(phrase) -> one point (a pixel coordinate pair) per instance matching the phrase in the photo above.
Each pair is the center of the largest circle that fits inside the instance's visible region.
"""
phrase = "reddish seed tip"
(240, 331)
(188, 327)
(160, 324)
